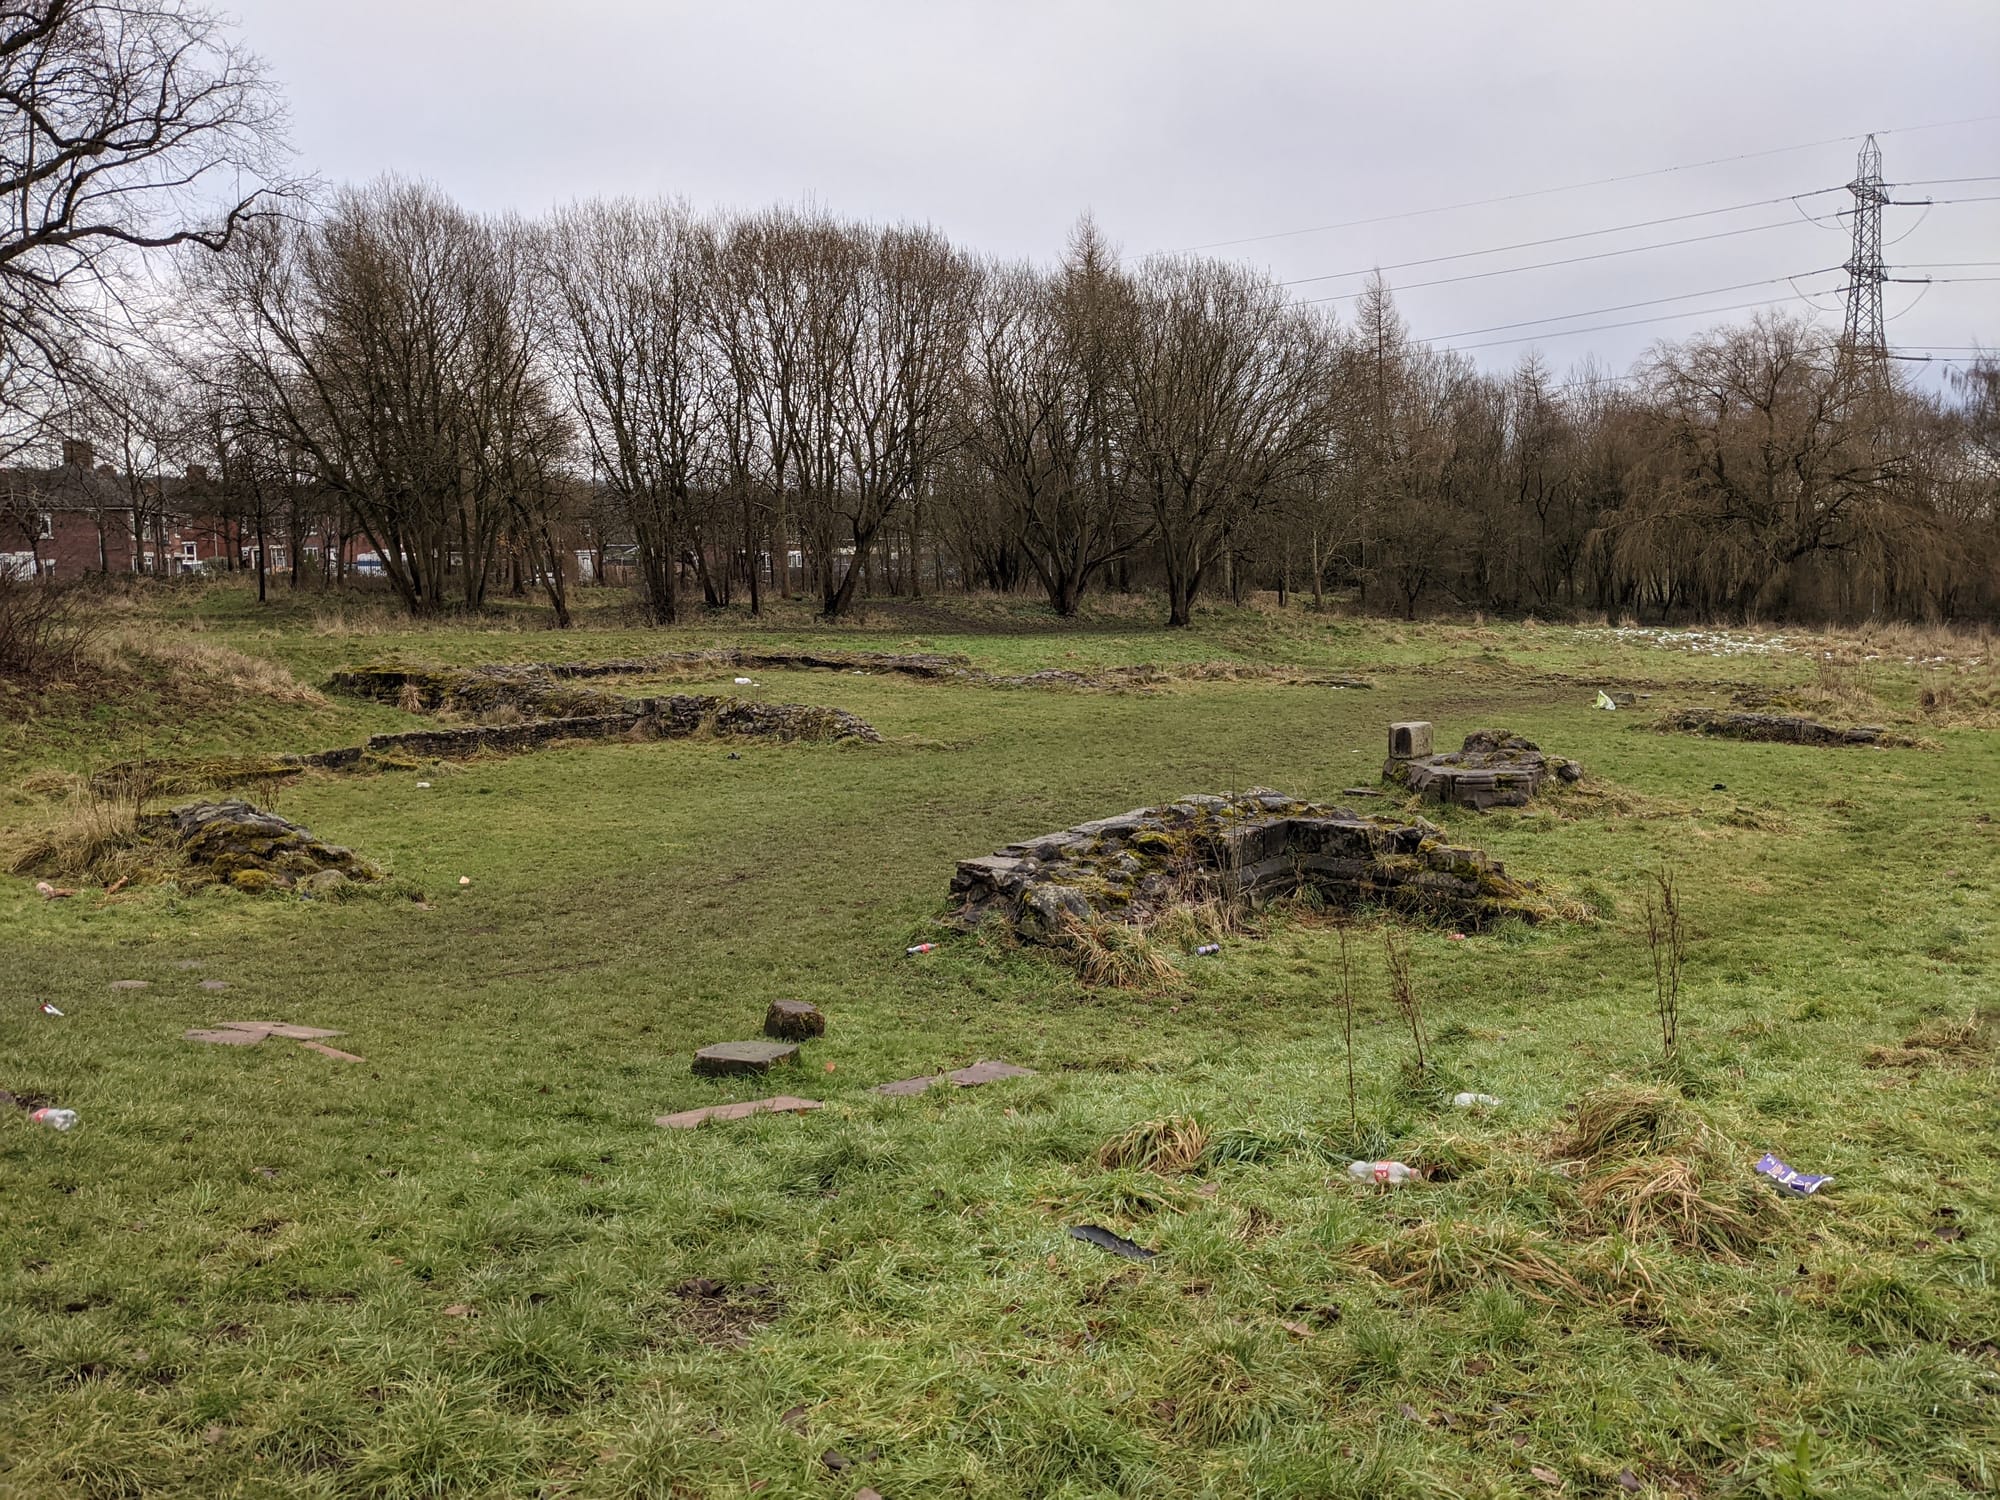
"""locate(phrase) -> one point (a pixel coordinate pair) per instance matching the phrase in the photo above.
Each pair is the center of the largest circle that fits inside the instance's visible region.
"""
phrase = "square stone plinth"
(725, 1058)
(1409, 740)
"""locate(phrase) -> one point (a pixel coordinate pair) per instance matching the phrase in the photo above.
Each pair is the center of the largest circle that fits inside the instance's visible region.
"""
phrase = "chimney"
(197, 474)
(77, 454)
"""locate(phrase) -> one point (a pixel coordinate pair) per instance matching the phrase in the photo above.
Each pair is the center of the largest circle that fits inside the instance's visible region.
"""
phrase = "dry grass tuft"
(1168, 1146)
(1112, 953)
(1623, 1120)
(207, 668)
(1649, 1168)
(93, 840)
(1939, 1043)
(1702, 1201)
(1447, 1257)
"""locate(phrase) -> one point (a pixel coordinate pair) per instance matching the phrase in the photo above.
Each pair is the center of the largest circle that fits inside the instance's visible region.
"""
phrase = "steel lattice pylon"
(1863, 334)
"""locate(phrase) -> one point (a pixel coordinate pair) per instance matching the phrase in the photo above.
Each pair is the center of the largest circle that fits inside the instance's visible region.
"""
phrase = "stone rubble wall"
(1240, 850)
(237, 844)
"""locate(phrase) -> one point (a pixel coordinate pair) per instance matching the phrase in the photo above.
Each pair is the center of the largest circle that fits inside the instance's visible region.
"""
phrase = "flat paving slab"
(726, 1058)
(250, 1033)
(964, 1078)
(783, 1104)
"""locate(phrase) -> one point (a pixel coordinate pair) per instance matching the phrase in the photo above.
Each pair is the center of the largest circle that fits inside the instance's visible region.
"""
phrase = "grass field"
(473, 1266)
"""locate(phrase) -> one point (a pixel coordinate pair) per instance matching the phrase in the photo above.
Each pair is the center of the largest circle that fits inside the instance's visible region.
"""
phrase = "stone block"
(726, 1058)
(794, 1021)
(1409, 740)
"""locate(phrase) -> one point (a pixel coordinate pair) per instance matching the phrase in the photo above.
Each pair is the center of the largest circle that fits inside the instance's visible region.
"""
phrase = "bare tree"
(1228, 384)
(125, 126)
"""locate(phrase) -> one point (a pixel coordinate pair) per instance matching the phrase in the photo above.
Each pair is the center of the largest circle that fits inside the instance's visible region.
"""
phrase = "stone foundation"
(1788, 729)
(1241, 850)
(1494, 768)
(561, 712)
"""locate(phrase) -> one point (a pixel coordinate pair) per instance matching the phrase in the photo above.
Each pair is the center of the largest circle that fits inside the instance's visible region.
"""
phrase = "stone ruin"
(557, 710)
(1240, 850)
(236, 844)
(1784, 729)
(1493, 768)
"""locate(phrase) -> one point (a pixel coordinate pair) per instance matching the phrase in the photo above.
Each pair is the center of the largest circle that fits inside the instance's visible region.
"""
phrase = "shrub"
(44, 629)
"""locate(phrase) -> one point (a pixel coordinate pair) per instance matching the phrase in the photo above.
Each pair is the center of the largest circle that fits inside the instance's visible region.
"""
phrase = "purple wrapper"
(1791, 1181)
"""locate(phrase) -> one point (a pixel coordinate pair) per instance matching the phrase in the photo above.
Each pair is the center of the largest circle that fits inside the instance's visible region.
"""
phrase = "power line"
(1563, 333)
(1572, 187)
(1571, 260)
(1558, 239)
(1714, 291)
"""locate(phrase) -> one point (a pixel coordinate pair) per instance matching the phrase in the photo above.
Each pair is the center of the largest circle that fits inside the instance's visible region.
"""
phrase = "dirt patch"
(721, 1316)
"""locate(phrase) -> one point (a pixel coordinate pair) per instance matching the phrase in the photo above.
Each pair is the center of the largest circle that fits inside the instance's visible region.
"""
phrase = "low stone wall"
(1494, 767)
(672, 717)
(1789, 729)
(1240, 850)
(239, 845)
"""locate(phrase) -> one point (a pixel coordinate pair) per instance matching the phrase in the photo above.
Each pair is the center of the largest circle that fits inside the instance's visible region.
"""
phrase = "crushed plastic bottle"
(1474, 1101)
(917, 949)
(55, 1119)
(1384, 1173)
(1604, 701)
(49, 1008)
(1208, 950)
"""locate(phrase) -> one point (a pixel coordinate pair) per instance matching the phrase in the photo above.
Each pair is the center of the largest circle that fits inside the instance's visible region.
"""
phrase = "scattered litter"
(49, 1008)
(1475, 1101)
(52, 892)
(465, 880)
(1604, 700)
(1458, 937)
(423, 786)
(781, 1104)
(736, 755)
(1104, 1239)
(913, 951)
(1383, 1173)
(55, 1119)
(745, 682)
(1719, 787)
(1208, 950)
(1790, 1180)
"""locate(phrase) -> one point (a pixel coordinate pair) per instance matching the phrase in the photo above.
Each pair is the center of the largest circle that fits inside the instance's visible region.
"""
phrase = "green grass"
(463, 1267)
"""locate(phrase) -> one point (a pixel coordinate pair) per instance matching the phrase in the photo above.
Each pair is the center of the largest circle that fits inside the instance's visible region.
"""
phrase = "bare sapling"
(1403, 990)
(1666, 938)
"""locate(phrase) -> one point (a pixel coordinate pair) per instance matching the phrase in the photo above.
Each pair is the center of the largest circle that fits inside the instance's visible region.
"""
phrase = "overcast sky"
(1184, 124)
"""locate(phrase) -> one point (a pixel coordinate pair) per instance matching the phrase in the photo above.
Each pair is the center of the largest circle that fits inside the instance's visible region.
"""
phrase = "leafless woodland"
(788, 402)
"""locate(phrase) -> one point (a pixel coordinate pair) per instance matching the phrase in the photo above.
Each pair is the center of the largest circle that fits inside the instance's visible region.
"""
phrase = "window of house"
(187, 552)
(47, 524)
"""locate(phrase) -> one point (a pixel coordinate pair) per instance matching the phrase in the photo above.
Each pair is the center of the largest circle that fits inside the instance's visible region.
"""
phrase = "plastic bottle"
(1474, 1101)
(1383, 1173)
(1208, 950)
(919, 948)
(59, 1119)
